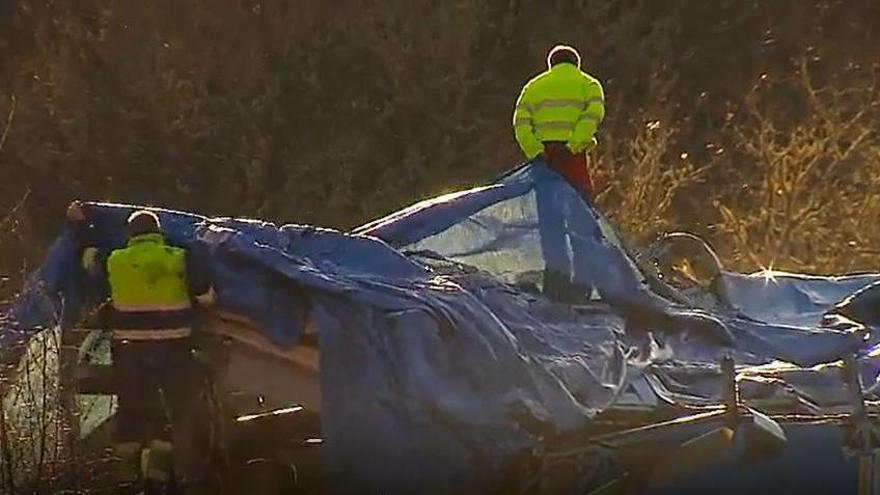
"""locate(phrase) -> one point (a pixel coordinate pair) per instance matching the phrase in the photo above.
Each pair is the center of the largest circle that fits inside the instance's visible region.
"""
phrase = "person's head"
(143, 222)
(563, 54)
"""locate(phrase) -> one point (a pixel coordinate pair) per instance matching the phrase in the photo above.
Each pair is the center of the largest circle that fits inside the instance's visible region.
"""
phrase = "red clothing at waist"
(574, 167)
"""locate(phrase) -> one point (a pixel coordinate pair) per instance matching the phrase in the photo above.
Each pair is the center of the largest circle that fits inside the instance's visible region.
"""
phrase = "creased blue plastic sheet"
(774, 317)
(428, 382)
(546, 223)
(790, 298)
(432, 380)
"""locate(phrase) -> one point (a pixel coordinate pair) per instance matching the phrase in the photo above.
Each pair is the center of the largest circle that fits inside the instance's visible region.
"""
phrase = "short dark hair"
(143, 222)
(563, 54)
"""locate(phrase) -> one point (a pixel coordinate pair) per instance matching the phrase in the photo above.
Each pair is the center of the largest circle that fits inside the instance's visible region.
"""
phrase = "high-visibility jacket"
(562, 104)
(148, 279)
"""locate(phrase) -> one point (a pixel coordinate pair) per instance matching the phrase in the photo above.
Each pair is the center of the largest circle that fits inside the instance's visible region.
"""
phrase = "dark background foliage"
(334, 113)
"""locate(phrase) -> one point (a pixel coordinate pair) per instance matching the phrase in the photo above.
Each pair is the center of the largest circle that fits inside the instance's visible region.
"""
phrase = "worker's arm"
(523, 128)
(198, 278)
(76, 217)
(583, 135)
(94, 285)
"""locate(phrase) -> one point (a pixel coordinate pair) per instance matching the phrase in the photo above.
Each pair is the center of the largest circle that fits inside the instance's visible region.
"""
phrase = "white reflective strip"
(595, 99)
(152, 334)
(554, 125)
(139, 308)
(522, 121)
(589, 116)
(561, 103)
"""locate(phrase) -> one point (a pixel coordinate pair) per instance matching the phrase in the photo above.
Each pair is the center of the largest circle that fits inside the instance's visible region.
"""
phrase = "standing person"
(152, 286)
(557, 115)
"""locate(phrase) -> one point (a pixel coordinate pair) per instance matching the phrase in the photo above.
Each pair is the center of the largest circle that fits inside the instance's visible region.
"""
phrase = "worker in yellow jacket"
(152, 286)
(557, 115)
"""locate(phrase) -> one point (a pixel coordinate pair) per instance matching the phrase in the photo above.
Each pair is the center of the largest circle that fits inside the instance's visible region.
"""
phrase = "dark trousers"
(156, 384)
(561, 238)
(573, 166)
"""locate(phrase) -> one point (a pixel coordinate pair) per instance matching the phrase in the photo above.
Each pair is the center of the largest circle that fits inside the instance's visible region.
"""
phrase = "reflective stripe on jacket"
(561, 104)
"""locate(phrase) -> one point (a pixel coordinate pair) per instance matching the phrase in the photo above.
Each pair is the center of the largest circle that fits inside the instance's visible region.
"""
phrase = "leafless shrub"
(34, 426)
(640, 191)
(812, 199)
(640, 176)
(38, 411)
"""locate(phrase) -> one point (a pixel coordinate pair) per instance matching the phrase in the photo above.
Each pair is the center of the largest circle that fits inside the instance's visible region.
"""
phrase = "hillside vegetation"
(752, 123)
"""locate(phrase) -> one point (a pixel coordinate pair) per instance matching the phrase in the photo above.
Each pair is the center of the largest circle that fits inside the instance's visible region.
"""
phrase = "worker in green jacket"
(557, 115)
(152, 287)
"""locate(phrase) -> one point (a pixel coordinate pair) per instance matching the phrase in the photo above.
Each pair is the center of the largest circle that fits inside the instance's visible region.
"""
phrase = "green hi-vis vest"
(562, 104)
(148, 275)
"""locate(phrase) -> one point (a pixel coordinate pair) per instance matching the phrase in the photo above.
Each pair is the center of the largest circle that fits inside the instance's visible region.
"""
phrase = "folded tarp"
(429, 383)
(790, 298)
(531, 219)
(432, 380)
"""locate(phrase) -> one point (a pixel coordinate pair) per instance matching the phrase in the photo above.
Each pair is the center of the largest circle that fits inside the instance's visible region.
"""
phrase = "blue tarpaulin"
(433, 378)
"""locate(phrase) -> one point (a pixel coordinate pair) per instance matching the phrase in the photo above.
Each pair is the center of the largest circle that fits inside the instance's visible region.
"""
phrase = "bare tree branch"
(9, 119)
(9, 216)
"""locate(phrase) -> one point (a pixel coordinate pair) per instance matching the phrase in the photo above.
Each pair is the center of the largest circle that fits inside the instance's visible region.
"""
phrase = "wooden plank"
(96, 379)
(245, 332)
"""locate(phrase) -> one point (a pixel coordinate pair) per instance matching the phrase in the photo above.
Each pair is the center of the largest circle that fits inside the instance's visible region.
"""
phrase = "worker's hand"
(208, 298)
(75, 211)
(90, 259)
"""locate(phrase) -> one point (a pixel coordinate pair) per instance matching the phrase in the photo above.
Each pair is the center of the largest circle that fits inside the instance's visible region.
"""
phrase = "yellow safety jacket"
(148, 278)
(562, 104)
